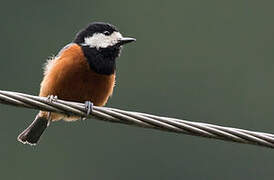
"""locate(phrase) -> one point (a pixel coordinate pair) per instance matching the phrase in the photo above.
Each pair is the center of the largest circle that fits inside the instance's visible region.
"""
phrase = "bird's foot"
(50, 98)
(88, 108)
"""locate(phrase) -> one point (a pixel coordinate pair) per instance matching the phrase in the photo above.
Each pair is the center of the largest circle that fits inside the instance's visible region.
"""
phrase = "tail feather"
(32, 134)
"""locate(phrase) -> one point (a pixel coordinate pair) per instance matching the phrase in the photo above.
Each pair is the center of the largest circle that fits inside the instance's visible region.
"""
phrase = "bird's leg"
(88, 108)
(51, 99)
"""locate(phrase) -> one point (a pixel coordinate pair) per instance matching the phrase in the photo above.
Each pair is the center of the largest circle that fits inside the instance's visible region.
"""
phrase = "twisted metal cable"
(139, 119)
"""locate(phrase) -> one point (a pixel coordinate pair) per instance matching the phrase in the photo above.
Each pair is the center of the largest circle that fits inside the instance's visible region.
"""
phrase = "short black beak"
(125, 40)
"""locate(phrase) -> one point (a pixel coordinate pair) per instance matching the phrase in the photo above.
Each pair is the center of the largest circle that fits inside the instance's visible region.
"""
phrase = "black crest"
(95, 27)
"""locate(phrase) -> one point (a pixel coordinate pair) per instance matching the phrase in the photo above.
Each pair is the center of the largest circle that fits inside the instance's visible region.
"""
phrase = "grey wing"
(64, 48)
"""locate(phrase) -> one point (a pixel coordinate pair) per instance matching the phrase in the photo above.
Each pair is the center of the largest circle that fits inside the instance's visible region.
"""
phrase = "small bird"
(83, 71)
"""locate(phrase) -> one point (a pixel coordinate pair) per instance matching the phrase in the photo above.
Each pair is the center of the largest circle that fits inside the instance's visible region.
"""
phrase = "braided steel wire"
(138, 119)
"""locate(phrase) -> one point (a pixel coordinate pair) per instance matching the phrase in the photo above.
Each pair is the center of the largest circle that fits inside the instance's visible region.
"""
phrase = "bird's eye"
(107, 33)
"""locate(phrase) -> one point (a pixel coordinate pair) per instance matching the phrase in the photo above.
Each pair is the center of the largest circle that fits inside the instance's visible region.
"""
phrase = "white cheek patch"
(99, 40)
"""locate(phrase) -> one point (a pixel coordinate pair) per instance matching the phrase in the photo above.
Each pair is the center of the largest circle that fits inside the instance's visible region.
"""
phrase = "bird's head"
(101, 43)
(102, 37)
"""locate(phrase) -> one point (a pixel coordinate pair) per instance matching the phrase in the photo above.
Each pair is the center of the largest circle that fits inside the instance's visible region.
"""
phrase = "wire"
(138, 119)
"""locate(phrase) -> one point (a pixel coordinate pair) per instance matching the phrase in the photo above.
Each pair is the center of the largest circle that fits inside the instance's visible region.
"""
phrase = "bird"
(83, 71)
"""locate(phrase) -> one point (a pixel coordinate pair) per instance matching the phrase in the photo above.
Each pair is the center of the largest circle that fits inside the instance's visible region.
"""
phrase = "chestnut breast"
(70, 78)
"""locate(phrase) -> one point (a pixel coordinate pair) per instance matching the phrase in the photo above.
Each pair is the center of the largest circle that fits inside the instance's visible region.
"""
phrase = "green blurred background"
(210, 61)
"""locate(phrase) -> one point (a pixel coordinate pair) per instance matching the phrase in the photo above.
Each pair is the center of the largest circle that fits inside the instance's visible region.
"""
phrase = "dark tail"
(32, 134)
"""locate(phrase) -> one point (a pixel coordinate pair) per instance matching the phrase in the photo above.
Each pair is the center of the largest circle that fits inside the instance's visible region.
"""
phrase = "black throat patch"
(102, 60)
